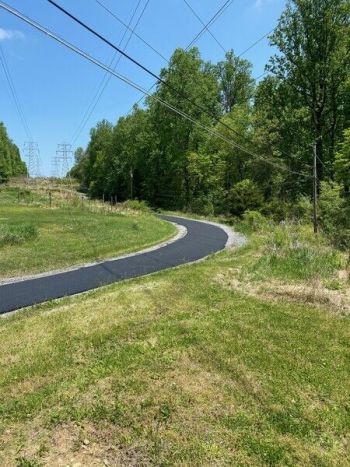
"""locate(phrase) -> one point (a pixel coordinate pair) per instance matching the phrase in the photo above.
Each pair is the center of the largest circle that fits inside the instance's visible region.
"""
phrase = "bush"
(302, 209)
(136, 205)
(334, 213)
(18, 233)
(245, 195)
(254, 220)
(202, 206)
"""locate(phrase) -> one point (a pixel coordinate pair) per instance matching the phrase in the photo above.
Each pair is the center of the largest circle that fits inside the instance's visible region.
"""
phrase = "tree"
(313, 39)
(11, 164)
(192, 88)
(342, 163)
(235, 81)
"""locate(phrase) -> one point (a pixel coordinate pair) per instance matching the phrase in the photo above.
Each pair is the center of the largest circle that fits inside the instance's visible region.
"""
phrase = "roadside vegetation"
(238, 360)
(47, 227)
(258, 153)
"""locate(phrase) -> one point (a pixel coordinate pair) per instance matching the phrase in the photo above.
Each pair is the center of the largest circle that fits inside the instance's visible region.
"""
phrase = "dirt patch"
(79, 446)
(312, 292)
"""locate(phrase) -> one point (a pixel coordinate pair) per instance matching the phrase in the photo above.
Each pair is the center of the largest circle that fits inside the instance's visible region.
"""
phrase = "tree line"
(259, 154)
(11, 164)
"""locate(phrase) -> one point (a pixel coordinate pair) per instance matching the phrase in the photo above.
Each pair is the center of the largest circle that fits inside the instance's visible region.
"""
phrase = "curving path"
(201, 240)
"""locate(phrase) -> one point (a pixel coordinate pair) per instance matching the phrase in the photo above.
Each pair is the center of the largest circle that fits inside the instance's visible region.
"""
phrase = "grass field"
(186, 367)
(36, 238)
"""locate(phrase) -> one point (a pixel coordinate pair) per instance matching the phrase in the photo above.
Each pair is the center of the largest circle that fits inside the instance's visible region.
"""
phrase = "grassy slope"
(69, 234)
(177, 368)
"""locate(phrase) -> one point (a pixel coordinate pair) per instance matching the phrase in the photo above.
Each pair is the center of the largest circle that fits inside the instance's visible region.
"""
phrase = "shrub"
(136, 205)
(334, 213)
(202, 206)
(17, 233)
(302, 209)
(245, 195)
(254, 220)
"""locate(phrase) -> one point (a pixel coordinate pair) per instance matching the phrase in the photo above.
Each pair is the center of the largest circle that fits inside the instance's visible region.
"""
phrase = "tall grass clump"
(293, 252)
(135, 205)
(17, 233)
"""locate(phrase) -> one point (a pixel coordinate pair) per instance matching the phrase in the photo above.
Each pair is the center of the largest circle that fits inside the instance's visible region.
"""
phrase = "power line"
(255, 43)
(14, 93)
(102, 38)
(106, 78)
(205, 26)
(82, 123)
(136, 86)
(132, 30)
(210, 22)
(147, 70)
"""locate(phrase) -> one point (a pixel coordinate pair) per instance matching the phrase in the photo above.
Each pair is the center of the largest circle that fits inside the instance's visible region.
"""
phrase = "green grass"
(35, 238)
(17, 233)
(293, 252)
(178, 368)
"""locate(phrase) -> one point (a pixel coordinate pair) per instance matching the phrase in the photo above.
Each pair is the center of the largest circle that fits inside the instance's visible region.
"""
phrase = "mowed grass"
(35, 238)
(177, 368)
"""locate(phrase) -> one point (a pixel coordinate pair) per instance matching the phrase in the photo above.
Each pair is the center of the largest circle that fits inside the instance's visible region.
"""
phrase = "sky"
(56, 88)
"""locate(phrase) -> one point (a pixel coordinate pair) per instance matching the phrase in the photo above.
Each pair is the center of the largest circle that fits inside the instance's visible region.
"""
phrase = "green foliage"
(235, 81)
(245, 195)
(262, 157)
(202, 206)
(342, 163)
(135, 205)
(254, 220)
(335, 214)
(294, 253)
(11, 164)
(13, 234)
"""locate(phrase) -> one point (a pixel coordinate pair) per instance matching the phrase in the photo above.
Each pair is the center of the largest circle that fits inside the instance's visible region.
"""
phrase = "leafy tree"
(313, 39)
(342, 163)
(235, 81)
(244, 196)
(11, 164)
(194, 81)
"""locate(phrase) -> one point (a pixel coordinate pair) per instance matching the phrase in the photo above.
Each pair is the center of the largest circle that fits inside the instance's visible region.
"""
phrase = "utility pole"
(64, 158)
(32, 153)
(315, 220)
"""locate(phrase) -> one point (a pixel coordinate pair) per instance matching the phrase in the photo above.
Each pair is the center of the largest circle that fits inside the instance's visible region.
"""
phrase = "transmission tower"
(32, 154)
(55, 167)
(63, 159)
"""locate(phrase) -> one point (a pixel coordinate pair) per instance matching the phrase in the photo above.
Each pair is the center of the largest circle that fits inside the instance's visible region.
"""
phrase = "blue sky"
(55, 86)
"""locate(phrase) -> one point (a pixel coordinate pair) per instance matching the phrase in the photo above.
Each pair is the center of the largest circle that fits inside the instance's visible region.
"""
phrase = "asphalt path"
(202, 239)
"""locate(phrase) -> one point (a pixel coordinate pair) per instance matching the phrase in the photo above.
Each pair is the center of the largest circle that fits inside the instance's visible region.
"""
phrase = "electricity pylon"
(64, 158)
(32, 154)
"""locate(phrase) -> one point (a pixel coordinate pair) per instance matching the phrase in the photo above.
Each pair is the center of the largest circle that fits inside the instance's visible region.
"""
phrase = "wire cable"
(205, 26)
(14, 93)
(210, 22)
(126, 80)
(132, 30)
(147, 70)
(107, 77)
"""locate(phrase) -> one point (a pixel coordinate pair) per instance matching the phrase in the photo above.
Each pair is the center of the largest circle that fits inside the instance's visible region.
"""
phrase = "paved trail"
(201, 240)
